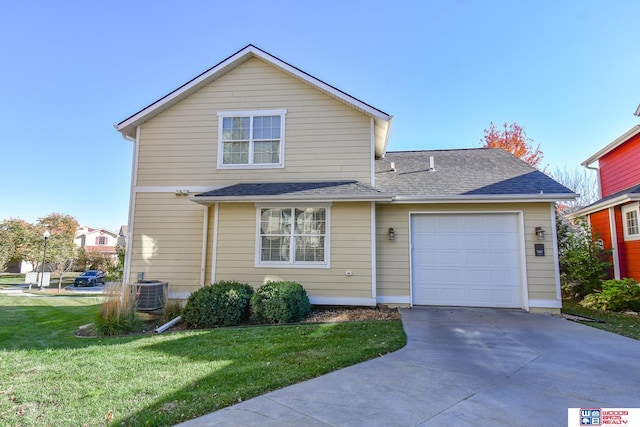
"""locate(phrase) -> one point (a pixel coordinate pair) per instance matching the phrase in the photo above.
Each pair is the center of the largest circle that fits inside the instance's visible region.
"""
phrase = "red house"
(615, 217)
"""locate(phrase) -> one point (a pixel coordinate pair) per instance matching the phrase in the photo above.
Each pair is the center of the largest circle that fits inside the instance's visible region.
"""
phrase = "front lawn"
(50, 377)
(618, 323)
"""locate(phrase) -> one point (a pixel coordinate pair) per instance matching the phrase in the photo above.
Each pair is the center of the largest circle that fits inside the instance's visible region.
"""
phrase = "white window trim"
(627, 208)
(293, 264)
(222, 114)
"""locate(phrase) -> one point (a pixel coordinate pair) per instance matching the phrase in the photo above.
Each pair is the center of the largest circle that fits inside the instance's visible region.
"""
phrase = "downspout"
(556, 255)
(214, 250)
(374, 251)
(205, 237)
(586, 165)
(132, 204)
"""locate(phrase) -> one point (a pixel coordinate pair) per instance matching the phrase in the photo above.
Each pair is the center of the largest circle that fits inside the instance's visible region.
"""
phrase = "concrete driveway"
(462, 367)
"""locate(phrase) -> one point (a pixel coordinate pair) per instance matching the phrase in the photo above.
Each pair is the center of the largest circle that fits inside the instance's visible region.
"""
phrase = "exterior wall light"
(392, 234)
(540, 233)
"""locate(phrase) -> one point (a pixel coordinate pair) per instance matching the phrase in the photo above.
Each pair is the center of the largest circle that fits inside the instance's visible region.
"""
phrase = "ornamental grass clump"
(117, 314)
(223, 303)
(280, 302)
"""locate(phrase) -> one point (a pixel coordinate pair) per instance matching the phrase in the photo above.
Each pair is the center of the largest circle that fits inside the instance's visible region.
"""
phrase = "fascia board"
(612, 145)
(625, 198)
(381, 148)
(486, 199)
(284, 199)
(210, 74)
(372, 111)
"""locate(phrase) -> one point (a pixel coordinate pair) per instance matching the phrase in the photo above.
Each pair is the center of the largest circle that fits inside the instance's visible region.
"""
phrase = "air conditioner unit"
(150, 294)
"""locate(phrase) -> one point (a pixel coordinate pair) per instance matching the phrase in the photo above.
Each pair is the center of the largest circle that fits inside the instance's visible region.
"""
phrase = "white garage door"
(466, 260)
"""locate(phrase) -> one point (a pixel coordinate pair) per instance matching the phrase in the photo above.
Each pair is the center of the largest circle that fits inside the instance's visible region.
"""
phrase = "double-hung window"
(292, 236)
(251, 138)
(631, 222)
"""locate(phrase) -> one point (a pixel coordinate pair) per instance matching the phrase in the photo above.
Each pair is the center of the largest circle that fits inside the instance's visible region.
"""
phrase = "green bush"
(583, 264)
(221, 304)
(616, 295)
(280, 302)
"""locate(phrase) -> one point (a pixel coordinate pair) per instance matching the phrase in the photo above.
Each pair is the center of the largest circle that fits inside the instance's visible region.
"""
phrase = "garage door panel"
(466, 260)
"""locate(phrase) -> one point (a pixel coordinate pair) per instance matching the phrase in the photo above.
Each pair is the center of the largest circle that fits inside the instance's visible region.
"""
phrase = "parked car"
(90, 278)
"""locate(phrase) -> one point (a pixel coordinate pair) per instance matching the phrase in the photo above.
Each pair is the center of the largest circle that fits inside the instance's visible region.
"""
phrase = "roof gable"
(128, 126)
(613, 145)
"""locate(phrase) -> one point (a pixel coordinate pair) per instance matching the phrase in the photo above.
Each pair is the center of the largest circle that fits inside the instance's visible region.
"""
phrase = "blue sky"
(565, 70)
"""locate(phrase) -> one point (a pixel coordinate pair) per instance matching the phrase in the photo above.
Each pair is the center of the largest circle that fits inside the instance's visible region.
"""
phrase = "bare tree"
(581, 181)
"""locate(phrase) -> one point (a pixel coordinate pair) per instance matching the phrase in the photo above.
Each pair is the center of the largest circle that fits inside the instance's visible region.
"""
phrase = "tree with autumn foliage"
(514, 139)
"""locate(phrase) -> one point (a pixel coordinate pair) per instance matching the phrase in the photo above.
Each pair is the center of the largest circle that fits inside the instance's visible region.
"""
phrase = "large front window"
(292, 235)
(251, 138)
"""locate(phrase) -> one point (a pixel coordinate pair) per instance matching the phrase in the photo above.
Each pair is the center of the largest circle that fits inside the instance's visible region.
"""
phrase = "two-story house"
(615, 217)
(97, 240)
(255, 171)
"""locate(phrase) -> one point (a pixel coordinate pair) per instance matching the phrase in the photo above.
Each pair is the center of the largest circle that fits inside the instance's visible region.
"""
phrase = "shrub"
(280, 302)
(117, 315)
(221, 304)
(583, 264)
(616, 295)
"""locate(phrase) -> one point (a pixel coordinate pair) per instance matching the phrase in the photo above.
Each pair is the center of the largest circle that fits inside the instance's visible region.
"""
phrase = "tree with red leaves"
(514, 139)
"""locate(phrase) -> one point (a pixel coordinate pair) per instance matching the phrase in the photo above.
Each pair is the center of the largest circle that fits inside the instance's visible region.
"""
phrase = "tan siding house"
(257, 171)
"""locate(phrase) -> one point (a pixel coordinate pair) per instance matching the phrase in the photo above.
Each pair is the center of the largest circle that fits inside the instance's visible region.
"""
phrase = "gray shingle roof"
(631, 193)
(299, 190)
(464, 172)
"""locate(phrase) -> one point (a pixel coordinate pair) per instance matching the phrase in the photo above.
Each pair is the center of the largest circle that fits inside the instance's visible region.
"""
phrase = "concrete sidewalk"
(474, 367)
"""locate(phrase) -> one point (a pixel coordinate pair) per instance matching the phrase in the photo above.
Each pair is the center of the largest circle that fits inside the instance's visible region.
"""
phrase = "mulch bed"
(319, 315)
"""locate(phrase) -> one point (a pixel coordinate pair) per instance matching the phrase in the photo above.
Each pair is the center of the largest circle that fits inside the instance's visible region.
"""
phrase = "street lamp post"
(44, 257)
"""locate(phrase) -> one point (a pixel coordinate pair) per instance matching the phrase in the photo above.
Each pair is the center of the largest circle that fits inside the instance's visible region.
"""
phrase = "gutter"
(604, 205)
(323, 198)
(493, 198)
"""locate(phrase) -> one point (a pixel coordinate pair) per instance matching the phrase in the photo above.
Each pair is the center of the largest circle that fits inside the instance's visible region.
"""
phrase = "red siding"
(600, 227)
(629, 251)
(620, 168)
(632, 249)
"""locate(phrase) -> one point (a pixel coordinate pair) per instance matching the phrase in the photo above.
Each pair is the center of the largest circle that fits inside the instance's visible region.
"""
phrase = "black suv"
(90, 278)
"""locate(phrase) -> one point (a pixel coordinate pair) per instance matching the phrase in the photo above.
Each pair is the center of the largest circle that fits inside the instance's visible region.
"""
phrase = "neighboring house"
(256, 171)
(615, 218)
(97, 240)
(122, 236)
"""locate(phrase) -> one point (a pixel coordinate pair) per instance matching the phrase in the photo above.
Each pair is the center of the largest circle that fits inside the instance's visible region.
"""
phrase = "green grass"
(7, 279)
(621, 324)
(50, 377)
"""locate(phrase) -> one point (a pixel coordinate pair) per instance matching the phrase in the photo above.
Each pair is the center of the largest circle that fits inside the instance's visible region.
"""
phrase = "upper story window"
(251, 139)
(101, 240)
(630, 221)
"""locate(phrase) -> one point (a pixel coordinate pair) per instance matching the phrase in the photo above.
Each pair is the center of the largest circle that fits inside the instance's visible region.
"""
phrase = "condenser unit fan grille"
(150, 295)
